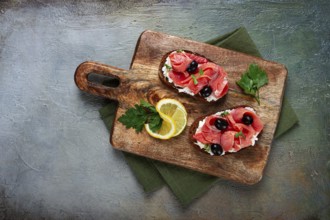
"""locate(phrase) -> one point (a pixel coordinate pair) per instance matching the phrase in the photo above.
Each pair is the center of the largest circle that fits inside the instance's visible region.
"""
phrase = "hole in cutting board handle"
(103, 80)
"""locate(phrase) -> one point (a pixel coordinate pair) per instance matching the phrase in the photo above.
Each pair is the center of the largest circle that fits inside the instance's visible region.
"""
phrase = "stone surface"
(55, 157)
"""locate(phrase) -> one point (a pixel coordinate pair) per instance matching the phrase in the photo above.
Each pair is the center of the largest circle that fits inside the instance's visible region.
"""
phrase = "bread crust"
(192, 131)
(172, 86)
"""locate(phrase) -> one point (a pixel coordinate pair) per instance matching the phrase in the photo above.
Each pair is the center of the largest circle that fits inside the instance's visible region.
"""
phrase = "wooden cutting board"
(142, 82)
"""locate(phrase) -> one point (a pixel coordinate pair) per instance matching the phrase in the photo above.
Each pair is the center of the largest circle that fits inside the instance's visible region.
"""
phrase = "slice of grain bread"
(194, 126)
(171, 85)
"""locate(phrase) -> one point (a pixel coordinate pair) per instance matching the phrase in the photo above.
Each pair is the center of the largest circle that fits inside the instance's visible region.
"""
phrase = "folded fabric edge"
(284, 126)
(180, 179)
(236, 39)
(219, 39)
(146, 173)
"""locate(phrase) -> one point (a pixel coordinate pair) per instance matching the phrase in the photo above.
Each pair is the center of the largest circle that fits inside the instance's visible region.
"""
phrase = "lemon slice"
(176, 111)
(166, 131)
(169, 106)
(180, 119)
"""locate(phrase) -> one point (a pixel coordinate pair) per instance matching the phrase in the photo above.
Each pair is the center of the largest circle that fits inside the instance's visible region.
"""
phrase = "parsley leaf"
(223, 114)
(238, 134)
(155, 122)
(258, 75)
(168, 66)
(207, 148)
(148, 106)
(252, 80)
(136, 117)
(194, 79)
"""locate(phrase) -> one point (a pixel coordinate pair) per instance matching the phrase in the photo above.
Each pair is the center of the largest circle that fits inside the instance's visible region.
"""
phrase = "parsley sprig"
(194, 79)
(223, 114)
(252, 80)
(239, 134)
(207, 148)
(141, 114)
(168, 67)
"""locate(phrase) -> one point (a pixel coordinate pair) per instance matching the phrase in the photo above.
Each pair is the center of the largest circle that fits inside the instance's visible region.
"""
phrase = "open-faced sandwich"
(226, 131)
(193, 74)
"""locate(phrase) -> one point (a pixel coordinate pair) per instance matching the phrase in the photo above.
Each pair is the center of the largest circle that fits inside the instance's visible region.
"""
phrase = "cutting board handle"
(83, 82)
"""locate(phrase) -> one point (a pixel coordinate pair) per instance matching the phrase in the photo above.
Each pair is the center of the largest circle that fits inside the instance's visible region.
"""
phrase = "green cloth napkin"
(187, 184)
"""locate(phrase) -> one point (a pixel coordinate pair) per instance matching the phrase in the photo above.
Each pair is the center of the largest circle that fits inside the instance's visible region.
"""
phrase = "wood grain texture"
(142, 82)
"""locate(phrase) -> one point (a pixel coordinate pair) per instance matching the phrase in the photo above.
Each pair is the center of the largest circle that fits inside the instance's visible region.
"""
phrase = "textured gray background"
(55, 158)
